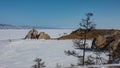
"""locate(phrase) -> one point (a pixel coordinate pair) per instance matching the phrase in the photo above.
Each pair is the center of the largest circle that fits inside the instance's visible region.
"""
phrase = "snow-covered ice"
(22, 53)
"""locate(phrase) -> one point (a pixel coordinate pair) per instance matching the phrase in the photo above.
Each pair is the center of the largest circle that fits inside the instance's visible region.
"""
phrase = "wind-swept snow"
(16, 53)
(21, 54)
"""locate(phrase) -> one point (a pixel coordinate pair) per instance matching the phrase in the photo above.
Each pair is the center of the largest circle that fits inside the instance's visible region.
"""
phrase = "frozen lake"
(20, 53)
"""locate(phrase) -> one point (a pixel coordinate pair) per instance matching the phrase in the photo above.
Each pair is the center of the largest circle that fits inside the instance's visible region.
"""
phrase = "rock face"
(99, 42)
(115, 45)
(79, 33)
(110, 43)
(43, 35)
(32, 34)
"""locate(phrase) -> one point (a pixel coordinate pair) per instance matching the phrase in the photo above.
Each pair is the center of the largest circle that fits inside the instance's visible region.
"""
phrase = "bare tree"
(86, 26)
(39, 63)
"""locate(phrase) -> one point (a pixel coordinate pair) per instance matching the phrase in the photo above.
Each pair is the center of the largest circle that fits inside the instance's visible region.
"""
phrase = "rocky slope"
(77, 34)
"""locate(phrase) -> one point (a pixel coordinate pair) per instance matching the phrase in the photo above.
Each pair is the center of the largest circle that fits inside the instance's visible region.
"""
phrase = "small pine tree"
(86, 26)
(39, 63)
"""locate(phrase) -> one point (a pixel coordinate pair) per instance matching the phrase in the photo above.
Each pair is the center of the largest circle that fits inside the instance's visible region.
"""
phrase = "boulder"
(32, 34)
(110, 43)
(114, 50)
(98, 42)
(115, 45)
(43, 35)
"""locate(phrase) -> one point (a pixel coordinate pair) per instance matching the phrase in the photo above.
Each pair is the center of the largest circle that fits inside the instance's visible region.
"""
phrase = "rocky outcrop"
(99, 42)
(32, 34)
(43, 35)
(110, 43)
(79, 33)
(114, 50)
(115, 45)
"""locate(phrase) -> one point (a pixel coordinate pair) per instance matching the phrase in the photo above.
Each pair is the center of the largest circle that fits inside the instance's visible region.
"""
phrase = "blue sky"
(60, 13)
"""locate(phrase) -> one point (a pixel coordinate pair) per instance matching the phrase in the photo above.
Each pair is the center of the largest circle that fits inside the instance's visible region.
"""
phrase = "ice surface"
(19, 53)
(22, 53)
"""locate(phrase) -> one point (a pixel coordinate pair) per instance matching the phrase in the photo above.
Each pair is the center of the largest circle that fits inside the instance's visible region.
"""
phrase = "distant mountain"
(7, 26)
